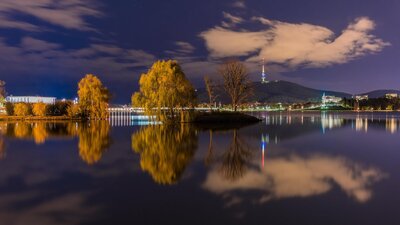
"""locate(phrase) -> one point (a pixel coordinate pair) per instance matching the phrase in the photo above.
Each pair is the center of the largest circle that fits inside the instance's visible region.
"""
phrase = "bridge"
(126, 116)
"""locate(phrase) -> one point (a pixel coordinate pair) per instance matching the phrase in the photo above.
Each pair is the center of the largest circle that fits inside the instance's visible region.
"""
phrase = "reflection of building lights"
(264, 142)
(391, 125)
(330, 122)
(361, 124)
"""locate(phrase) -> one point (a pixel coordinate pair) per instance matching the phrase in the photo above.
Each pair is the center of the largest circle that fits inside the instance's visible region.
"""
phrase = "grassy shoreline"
(37, 118)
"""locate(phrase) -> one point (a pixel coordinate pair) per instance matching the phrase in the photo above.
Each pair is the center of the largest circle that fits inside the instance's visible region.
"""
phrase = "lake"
(291, 168)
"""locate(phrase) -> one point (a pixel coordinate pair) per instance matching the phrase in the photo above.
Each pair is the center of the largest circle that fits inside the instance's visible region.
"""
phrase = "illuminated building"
(330, 100)
(263, 75)
(31, 99)
(391, 95)
(361, 97)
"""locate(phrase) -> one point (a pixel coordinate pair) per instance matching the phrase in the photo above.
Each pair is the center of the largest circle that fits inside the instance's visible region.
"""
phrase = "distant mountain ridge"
(380, 93)
(287, 92)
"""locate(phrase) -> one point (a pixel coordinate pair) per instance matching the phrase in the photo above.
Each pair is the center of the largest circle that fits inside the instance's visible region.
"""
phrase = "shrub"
(39, 109)
(22, 109)
(58, 109)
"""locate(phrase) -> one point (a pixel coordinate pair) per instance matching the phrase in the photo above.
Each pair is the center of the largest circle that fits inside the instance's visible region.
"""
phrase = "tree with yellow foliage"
(73, 110)
(165, 150)
(22, 109)
(93, 98)
(164, 91)
(39, 109)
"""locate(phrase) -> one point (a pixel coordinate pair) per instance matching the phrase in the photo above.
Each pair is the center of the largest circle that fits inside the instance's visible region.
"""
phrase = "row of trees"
(167, 93)
(93, 103)
(164, 91)
(373, 104)
(38, 109)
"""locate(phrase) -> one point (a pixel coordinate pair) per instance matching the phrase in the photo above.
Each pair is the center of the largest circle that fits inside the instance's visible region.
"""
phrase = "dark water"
(298, 168)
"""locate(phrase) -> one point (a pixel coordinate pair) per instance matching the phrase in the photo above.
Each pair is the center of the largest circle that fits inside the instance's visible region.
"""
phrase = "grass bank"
(37, 118)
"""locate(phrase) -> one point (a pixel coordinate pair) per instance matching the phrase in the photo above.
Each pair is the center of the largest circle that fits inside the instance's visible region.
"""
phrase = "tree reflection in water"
(3, 130)
(235, 158)
(93, 136)
(165, 150)
(94, 139)
(22, 130)
(39, 133)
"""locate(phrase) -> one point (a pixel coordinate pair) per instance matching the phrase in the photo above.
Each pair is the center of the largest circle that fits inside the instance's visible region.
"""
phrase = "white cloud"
(295, 45)
(31, 44)
(185, 47)
(68, 14)
(232, 20)
(297, 176)
(222, 42)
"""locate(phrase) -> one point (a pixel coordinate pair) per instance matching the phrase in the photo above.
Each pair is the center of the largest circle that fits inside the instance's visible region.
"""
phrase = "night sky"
(344, 45)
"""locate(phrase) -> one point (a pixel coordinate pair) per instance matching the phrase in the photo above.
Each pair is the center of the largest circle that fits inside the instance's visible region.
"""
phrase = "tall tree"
(237, 82)
(210, 88)
(22, 109)
(39, 109)
(164, 91)
(2, 89)
(93, 97)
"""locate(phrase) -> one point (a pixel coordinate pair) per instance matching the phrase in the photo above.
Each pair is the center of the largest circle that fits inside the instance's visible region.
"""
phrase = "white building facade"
(31, 99)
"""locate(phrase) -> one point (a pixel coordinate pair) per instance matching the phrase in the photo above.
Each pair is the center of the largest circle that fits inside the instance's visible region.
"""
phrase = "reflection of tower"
(263, 75)
(264, 142)
(323, 106)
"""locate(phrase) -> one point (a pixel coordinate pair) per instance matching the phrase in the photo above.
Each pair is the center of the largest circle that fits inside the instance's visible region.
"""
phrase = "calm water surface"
(292, 168)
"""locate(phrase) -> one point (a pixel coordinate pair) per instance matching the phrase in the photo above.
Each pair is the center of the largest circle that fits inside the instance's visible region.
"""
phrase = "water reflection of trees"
(2, 147)
(93, 136)
(235, 158)
(165, 150)
(94, 139)
(232, 163)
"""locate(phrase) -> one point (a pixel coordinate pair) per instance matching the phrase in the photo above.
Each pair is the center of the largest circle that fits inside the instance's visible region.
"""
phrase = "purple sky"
(344, 45)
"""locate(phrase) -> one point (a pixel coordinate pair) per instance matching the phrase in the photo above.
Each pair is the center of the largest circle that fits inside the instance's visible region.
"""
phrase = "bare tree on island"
(210, 88)
(237, 82)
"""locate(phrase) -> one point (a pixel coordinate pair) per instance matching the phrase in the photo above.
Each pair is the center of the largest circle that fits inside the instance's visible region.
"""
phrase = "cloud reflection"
(296, 176)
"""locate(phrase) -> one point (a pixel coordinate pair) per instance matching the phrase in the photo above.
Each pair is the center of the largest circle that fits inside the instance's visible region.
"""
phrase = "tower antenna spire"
(263, 75)
(263, 65)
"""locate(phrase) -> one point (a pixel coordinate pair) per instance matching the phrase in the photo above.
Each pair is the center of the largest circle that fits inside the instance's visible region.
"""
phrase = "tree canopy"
(22, 109)
(93, 97)
(164, 90)
(236, 81)
(39, 109)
